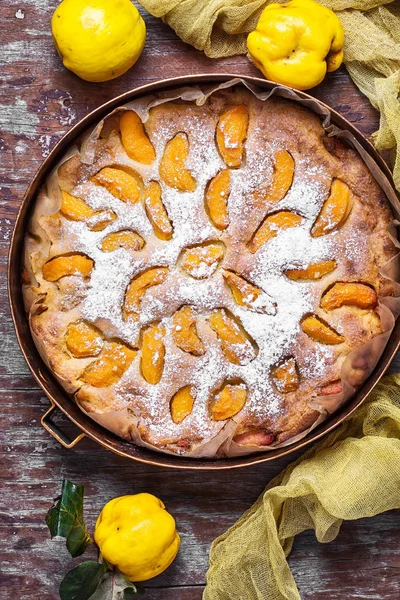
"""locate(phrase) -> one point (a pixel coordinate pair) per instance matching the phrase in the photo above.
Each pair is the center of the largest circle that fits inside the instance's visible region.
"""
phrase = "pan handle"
(56, 432)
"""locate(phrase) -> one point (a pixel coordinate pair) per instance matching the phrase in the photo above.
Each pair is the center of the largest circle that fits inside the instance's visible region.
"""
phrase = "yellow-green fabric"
(371, 53)
(353, 472)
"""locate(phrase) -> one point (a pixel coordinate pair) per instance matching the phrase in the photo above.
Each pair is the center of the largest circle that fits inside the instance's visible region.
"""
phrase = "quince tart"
(198, 284)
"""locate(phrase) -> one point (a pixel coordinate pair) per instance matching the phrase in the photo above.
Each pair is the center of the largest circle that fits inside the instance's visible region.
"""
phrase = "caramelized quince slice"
(83, 340)
(349, 294)
(320, 331)
(129, 240)
(108, 368)
(182, 404)
(285, 375)
(270, 227)
(248, 295)
(216, 200)
(231, 134)
(229, 401)
(120, 184)
(134, 138)
(282, 179)
(71, 264)
(335, 209)
(202, 261)
(312, 271)
(153, 353)
(184, 332)
(283, 176)
(235, 342)
(139, 285)
(254, 437)
(172, 166)
(101, 219)
(75, 208)
(157, 212)
(332, 388)
(40, 309)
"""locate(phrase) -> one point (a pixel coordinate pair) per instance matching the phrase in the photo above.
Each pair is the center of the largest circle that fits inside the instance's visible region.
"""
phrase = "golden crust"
(359, 244)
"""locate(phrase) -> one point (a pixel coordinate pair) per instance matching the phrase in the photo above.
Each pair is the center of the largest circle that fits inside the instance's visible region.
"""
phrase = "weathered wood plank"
(204, 504)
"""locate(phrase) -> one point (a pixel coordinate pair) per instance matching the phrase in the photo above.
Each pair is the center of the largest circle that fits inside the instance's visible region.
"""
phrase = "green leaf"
(131, 589)
(140, 590)
(114, 586)
(81, 583)
(65, 518)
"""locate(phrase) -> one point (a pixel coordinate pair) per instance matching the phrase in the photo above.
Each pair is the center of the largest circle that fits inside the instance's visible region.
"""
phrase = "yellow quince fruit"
(296, 43)
(137, 535)
(98, 39)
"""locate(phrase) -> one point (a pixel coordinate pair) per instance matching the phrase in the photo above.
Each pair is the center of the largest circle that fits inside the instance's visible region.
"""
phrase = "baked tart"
(198, 284)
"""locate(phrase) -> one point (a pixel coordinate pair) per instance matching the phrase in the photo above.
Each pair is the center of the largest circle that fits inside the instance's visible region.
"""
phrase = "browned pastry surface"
(220, 290)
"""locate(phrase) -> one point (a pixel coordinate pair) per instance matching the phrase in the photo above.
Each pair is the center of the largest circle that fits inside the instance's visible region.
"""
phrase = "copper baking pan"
(59, 399)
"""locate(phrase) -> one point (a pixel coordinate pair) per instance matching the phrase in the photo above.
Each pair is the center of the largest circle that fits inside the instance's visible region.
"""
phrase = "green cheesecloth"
(353, 472)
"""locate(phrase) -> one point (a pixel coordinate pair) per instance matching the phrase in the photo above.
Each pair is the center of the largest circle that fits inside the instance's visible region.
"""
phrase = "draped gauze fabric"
(354, 472)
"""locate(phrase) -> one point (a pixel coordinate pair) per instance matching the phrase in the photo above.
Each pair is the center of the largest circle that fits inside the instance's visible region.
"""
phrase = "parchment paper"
(357, 366)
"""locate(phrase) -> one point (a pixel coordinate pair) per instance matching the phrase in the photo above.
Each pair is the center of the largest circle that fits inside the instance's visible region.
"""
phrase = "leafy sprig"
(65, 519)
(89, 579)
(82, 582)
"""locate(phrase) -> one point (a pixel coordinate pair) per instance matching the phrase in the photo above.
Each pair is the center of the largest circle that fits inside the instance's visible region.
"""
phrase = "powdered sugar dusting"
(271, 319)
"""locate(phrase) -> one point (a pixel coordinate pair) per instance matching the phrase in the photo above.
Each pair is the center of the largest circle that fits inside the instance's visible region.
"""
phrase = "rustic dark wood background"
(39, 101)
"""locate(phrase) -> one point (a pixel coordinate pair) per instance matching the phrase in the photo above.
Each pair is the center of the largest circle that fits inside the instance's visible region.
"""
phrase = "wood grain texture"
(39, 101)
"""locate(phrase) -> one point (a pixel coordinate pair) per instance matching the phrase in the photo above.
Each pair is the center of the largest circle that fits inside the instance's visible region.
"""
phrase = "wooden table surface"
(39, 101)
